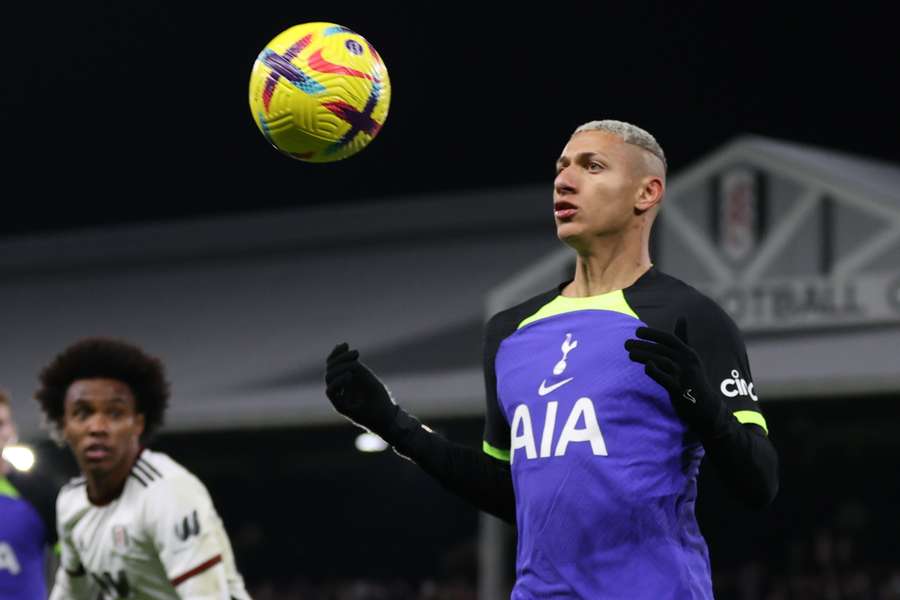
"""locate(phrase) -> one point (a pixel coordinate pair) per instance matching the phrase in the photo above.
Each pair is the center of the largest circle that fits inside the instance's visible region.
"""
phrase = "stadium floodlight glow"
(369, 442)
(21, 457)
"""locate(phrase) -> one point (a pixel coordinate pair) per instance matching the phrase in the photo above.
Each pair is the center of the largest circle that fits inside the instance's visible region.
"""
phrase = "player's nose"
(98, 424)
(564, 183)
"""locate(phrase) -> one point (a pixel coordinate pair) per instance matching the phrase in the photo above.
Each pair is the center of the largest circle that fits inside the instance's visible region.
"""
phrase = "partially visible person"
(27, 524)
(603, 395)
(136, 524)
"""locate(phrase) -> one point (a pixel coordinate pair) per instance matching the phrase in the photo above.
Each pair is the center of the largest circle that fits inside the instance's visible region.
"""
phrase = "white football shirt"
(161, 539)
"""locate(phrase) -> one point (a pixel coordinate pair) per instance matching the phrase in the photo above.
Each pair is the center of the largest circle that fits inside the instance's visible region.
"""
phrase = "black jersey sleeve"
(476, 477)
(480, 476)
(743, 455)
(718, 342)
(741, 450)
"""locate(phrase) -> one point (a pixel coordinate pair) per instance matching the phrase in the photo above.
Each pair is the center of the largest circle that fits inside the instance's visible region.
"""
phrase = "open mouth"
(564, 210)
(96, 452)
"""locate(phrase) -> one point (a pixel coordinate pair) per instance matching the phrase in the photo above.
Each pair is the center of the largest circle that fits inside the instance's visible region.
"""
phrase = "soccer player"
(136, 524)
(27, 526)
(603, 395)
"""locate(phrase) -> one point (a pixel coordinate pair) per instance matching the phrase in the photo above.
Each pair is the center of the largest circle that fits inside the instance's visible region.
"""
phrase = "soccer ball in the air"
(319, 92)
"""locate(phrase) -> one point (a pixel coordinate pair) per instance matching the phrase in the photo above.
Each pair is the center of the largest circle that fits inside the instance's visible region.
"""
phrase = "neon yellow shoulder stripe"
(495, 452)
(751, 416)
(7, 489)
(614, 301)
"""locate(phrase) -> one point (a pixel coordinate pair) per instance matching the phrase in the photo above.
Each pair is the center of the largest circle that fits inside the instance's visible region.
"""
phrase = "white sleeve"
(69, 587)
(190, 539)
(71, 580)
(61, 588)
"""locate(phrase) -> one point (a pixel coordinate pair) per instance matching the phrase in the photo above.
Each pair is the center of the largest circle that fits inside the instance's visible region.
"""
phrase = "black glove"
(672, 363)
(359, 395)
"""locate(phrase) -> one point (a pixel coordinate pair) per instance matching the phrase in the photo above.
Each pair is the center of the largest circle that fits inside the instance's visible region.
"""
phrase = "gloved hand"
(671, 362)
(359, 395)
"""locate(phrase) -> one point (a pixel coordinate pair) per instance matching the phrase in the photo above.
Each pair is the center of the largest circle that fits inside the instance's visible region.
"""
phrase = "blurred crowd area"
(834, 580)
(300, 589)
(849, 552)
(846, 559)
(829, 566)
(758, 581)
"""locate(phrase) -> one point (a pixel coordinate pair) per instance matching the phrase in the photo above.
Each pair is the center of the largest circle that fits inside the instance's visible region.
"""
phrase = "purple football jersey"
(603, 469)
(24, 536)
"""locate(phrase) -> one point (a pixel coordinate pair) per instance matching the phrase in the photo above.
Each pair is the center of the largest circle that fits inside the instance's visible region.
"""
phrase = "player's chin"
(569, 232)
(91, 463)
(95, 466)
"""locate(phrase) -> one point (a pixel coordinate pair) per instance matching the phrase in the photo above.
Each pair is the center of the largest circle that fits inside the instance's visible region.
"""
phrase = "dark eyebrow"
(79, 403)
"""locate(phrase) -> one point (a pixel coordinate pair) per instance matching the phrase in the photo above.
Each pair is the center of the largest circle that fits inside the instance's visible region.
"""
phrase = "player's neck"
(606, 268)
(103, 488)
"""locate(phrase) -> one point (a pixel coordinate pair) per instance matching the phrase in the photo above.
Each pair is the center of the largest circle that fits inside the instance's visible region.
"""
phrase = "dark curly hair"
(112, 359)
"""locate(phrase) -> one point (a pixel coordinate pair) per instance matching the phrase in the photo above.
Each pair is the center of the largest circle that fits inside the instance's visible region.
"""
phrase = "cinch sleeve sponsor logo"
(737, 386)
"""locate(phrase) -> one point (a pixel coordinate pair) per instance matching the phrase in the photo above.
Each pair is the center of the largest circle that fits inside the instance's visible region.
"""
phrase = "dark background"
(133, 111)
(114, 112)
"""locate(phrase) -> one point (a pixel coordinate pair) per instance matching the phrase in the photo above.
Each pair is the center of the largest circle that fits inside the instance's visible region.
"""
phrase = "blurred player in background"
(603, 395)
(136, 524)
(27, 525)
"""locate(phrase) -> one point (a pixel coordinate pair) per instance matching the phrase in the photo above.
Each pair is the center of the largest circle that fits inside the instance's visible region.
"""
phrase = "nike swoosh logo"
(545, 389)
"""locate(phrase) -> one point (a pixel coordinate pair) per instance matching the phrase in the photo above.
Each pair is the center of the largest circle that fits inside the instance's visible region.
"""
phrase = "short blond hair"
(630, 134)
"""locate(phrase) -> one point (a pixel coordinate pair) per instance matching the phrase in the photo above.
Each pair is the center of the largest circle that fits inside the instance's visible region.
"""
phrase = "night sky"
(136, 111)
